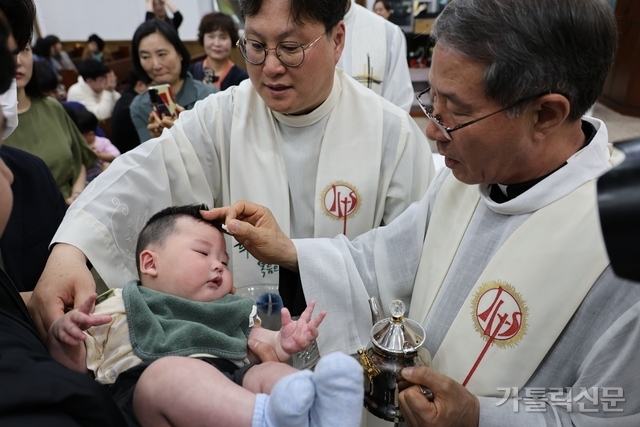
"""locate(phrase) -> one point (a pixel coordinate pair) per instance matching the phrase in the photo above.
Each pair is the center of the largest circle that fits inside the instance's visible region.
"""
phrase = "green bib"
(166, 325)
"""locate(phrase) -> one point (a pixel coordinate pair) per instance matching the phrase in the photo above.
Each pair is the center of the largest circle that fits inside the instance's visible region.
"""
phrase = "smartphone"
(209, 76)
(162, 100)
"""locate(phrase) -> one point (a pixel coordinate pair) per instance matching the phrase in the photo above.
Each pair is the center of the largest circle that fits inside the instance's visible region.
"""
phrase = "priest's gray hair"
(534, 47)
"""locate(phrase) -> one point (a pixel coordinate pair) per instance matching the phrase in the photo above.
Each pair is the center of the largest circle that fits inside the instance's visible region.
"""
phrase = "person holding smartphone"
(161, 58)
(218, 34)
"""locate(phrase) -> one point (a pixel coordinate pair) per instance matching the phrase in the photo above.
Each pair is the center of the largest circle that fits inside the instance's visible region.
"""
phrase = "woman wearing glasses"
(160, 57)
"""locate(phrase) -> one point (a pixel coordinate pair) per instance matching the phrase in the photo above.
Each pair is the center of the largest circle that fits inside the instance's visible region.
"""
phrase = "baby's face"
(192, 263)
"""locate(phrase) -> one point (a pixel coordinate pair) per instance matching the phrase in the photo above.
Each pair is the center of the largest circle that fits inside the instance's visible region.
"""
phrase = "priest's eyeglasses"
(446, 130)
(290, 54)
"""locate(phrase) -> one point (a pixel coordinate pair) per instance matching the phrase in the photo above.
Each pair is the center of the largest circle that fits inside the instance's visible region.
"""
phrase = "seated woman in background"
(42, 53)
(218, 35)
(59, 57)
(381, 7)
(38, 207)
(45, 129)
(160, 57)
(95, 49)
(156, 10)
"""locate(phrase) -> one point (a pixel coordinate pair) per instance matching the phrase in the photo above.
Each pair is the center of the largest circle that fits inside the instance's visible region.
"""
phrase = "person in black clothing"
(156, 10)
(123, 132)
(35, 390)
(38, 209)
(38, 206)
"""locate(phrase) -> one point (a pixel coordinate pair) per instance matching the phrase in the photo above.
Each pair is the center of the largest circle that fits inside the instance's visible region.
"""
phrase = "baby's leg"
(331, 396)
(261, 378)
(339, 392)
(182, 391)
(288, 404)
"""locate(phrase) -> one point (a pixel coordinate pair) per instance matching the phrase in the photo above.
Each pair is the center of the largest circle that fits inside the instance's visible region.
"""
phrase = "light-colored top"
(394, 79)
(109, 349)
(47, 131)
(104, 146)
(596, 348)
(190, 162)
(101, 104)
(191, 91)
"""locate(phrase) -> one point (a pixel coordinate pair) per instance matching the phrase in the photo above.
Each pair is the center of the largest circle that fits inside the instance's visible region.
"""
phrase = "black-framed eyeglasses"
(290, 54)
(446, 130)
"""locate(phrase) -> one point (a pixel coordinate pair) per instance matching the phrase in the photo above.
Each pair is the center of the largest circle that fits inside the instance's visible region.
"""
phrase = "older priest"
(502, 260)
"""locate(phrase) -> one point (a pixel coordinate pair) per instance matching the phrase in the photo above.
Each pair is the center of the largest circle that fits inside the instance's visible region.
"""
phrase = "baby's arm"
(294, 336)
(65, 339)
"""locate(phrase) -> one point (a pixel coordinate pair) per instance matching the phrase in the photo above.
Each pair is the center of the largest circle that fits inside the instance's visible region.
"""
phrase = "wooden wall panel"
(622, 88)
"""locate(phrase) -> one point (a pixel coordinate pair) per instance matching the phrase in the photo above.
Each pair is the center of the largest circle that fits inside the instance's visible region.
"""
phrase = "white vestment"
(199, 161)
(375, 54)
(593, 346)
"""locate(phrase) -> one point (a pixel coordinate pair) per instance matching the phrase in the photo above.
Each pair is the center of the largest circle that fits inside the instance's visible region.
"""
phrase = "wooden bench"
(197, 58)
(122, 68)
(121, 53)
(69, 77)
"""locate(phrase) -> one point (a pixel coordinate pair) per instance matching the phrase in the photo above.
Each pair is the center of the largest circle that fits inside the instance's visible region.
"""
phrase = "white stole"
(348, 168)
(368, 51)
(548, 277)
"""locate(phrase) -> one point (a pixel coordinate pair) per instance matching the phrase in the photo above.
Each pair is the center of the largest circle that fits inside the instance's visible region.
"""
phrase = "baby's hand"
(296, 335)
(69, 328)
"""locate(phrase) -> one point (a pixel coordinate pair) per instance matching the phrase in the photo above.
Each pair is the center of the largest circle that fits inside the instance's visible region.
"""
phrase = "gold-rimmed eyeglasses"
(446, 130)
(289, 53)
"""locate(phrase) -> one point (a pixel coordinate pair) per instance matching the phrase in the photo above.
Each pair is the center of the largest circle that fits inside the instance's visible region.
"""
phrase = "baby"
(173, 347)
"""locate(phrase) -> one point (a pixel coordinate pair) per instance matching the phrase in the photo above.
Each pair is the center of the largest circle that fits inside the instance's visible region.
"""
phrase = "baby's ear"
(148, 263)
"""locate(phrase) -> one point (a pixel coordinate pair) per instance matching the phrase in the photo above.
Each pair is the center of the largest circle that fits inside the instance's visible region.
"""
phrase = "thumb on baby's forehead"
(234, 226)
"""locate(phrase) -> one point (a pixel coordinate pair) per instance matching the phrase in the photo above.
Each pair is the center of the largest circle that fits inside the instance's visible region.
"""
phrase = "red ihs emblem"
(341, 201)
(500, 316)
